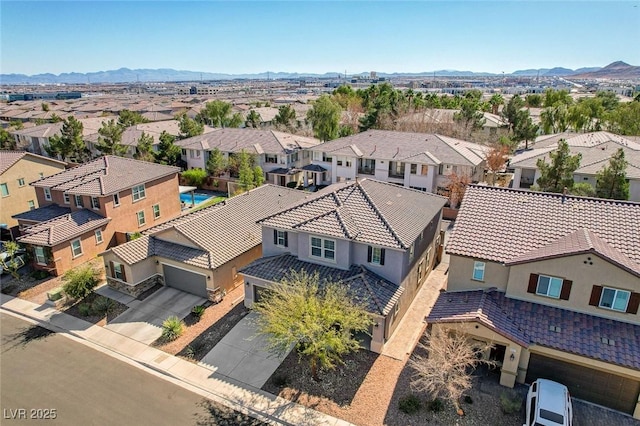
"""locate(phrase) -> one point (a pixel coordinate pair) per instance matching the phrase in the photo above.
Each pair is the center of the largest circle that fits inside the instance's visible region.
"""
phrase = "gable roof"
(508, 225)
(147, 246)
(105, 175)
(377, 294)
(366, 211)
(10, 158)
(63, 228)
(579, 333)
(389, 145)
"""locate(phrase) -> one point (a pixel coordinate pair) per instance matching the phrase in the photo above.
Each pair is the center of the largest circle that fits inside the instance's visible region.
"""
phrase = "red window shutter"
(596, 292)
(533, 283)
(113, 273)
(566, 289)
(124, 276)
(634, 302)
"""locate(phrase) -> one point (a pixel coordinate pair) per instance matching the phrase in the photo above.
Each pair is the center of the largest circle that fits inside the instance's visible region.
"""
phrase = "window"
(41, 259)
(424, 170)
(478, 271)
(79, 201)
(32, 204)
(65, 196)
(280, 238)
(347, 163)
(137, 193)
(549, 286)
(270, 158)
(327, 157)
(116, 200)
(140, 216)
(117, 271)
(98, 236)
(47, 194)
(323, 248)
(21, 182)
(412, 250)
(375, 255)
(396, 169)
(156, 211)
(414, 169)
(95, 203)
(76, 248)
(614, 299)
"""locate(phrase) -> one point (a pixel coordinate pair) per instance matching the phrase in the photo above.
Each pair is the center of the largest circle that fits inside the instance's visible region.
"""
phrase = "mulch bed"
(98, 319)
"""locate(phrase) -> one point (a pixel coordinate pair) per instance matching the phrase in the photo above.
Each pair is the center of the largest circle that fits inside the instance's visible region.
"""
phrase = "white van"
(548, 404)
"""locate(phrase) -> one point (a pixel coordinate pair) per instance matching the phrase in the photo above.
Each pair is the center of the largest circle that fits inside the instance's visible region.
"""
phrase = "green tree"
(554, 98)
(496, 100)
(110, 139)
(324, 116)
(216, 164)
(258, 176)
(611, 181)
(558, 175)
(245, 179)
(11, 248)
(219, 114)
(286, 117)
(319, 318)
(69, 144)
(7, 141)
(189, 127)
(128, 118)
(45, 106)
(510, 112)
(16, 124)
(144, 148)
(625, 119)
(533, 100)
(470, 114)
(555, 119)
(253, 119)
(80, 281)
(168, 152)
(524, 129)
(583, 189)
(195, 177)
(383, 106)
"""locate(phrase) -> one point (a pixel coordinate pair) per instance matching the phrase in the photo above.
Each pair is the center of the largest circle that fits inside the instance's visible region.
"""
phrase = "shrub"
(55, 294)
(85, 309)
(79, 282)
(39, 274)
(102, 305)
(198, 312)
(409, 404)
(194, 349)
(510, 402)
(280, 380)
(435, 405)
(194, 177)
(292, 184)
(172, 328)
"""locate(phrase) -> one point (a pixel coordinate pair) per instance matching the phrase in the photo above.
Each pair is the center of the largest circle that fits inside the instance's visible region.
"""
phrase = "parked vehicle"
(548, 404)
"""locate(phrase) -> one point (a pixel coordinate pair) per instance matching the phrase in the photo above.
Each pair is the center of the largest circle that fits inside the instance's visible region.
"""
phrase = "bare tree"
(447, 370)
(457, 185)
(496, 159)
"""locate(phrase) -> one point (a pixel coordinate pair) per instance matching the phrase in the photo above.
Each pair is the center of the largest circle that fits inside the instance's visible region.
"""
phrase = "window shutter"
(124, 276)
(369, 253)
(596, 292)
(275, 237)
(381, 256)
(533, 283)
(286, 239)
(566, 289)
(113, 274)
(634, 302)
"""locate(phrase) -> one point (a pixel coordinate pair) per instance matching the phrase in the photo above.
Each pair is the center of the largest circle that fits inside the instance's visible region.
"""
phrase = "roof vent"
(555, 328)
(607, 341)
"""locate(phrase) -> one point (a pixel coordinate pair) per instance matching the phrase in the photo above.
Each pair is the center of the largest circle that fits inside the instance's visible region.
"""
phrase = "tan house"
(89, 208)
(200, 252)
(17, 170)
(553, 282)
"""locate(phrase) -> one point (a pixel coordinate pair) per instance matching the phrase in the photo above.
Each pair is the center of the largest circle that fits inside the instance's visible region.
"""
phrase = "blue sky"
(307, 36)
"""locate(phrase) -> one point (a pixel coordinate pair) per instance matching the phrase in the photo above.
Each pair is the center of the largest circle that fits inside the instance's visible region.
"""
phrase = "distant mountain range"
(616, 70)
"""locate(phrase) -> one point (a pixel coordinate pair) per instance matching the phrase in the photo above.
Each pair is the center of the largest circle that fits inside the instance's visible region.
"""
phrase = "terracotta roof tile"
(43, 214)
(63, 228)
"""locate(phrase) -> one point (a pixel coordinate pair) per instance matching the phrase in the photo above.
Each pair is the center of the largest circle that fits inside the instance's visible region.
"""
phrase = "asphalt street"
(47, 378)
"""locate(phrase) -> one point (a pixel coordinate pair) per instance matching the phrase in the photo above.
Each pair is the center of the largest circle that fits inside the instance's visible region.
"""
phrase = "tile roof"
(9, 158)
(63, 228)
(223, 231)
(377, 294)
(105, 175)
(366, 210)
(500, 224)
(579, 333)
(43, 214)
(403, 146)
(147, 246)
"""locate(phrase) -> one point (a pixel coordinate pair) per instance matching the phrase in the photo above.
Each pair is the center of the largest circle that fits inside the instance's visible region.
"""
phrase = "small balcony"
(366, 171)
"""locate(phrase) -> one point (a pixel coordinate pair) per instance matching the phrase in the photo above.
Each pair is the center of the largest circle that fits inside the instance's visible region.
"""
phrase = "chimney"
(564, 194)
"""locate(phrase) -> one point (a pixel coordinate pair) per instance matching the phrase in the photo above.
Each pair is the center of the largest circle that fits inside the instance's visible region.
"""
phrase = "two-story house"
(377, 238)
(86, 209)
(553, 282)
(200, 252)
(17, 170)
(282, 156)
(420, 161)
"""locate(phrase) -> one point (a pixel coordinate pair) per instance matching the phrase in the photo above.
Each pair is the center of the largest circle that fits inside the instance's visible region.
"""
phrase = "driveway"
(242, 354)
(143, 320)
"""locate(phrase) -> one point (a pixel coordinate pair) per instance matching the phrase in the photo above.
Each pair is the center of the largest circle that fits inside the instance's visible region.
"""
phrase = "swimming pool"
(198, 198)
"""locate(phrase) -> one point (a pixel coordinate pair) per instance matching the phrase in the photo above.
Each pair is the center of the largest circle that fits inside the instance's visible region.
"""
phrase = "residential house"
(282, 156)
(91, 207)
(421, 161)
(553, 282)
(377, 238)
(17, 170)
(596, 149)
(200, 252)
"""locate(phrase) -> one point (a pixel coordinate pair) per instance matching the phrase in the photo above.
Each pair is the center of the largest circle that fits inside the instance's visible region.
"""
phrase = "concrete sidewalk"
(238, 396)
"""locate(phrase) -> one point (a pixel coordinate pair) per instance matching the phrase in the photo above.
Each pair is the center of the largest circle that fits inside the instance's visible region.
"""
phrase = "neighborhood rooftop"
(507, 225)
(367, 211)
(105, 175)
(62, 228)
(9, 158)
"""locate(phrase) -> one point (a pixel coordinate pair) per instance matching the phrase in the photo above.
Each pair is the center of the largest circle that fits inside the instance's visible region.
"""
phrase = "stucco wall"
(461, 274)
(227, 277)
(63, 259)
(342, 252)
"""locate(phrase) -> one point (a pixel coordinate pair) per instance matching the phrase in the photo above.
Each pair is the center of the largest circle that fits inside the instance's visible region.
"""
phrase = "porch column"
(510, 364)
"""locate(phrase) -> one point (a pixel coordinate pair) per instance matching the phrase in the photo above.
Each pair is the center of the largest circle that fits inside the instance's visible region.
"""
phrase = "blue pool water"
(198, 198)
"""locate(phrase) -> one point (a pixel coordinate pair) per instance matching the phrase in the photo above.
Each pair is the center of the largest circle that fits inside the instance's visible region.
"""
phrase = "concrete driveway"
(143, 320)
(242, 354)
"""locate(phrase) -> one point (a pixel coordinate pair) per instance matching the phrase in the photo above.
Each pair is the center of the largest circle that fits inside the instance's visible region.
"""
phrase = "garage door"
(585, 383)
(185, 280)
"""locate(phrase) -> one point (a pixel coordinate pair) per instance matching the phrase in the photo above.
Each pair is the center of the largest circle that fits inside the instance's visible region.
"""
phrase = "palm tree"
(496, 100)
